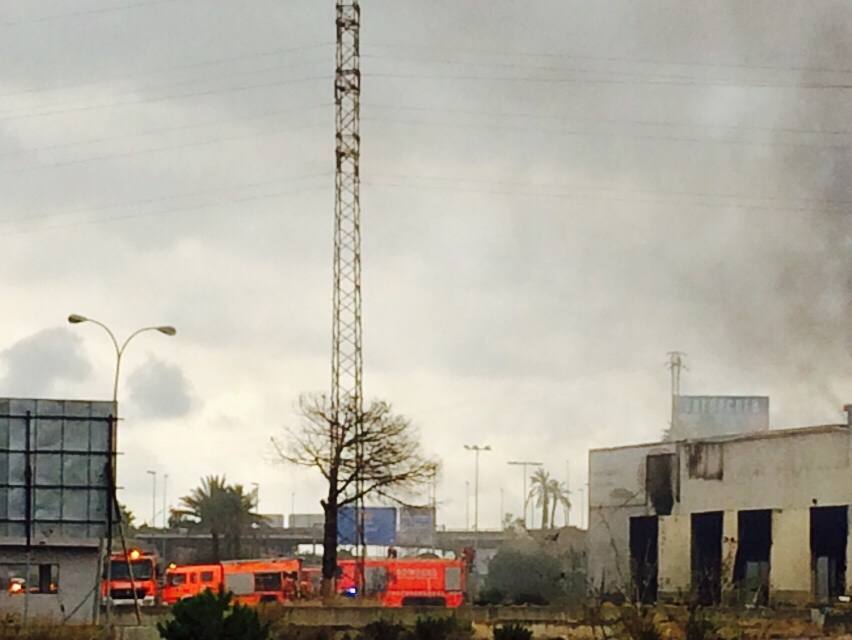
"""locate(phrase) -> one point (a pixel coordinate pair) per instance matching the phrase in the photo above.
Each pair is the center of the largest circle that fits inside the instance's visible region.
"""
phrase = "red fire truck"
(117, 585)
(251, 581)
(400, 582)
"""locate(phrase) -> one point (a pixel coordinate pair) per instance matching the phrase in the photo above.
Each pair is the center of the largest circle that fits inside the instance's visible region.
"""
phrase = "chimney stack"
(848, 409)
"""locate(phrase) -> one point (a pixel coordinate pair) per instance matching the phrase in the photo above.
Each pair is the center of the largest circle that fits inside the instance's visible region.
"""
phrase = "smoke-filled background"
(555, 195)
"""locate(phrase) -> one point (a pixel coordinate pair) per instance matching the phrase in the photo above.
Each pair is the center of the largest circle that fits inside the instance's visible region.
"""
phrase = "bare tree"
(390, 466)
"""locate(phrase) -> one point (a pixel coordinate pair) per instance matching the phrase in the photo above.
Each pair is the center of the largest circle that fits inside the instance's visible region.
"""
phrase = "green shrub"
(699, 627)
(293, 632)
(639, 624)
(491, 596)
(210, 616)
(440, 629)
(512, 631)
(12, 629)
(383, 630)
(530, 576)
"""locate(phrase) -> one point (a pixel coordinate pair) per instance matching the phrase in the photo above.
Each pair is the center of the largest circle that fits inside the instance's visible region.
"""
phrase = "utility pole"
(467, 505)
(675, 365)
(346, 358)
(153, 475)
(255, 496)
(524, 464)
(568, 491)
(165, 500)
(476, 449)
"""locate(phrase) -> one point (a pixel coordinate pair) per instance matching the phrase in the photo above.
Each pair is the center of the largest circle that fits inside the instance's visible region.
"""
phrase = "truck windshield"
(175, 579)
(267, 582)
(142, 570)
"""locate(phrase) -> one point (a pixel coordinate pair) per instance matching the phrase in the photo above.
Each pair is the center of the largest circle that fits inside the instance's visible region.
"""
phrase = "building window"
(706, 461)
(43, 578)
(661, 482)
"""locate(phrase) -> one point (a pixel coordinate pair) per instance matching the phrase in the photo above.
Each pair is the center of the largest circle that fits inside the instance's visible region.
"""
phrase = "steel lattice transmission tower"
(346, 361)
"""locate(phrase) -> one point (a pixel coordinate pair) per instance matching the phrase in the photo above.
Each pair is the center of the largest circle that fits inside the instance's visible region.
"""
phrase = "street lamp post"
(255, 496)
(153, 475)
(165, 500)
(168, 330)
(524, 464)
(476, 449)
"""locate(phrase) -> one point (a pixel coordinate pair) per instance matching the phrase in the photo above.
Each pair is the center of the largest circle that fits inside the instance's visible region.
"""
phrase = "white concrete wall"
(77, 579)
(730, 537)
(790, 557)
(617, 476)
(773, 473)
(616, 493)
(608, 549)
(675, 560)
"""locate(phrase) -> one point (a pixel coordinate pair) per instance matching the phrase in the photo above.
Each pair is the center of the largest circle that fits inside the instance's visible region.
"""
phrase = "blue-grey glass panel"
(75, 505)
(48, 435)
(17, 504)
(47, 504)
(48, 469)
(75, 470)
(17, 468)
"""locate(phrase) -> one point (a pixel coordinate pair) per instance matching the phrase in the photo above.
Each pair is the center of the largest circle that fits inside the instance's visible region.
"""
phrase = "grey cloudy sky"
(555, 194)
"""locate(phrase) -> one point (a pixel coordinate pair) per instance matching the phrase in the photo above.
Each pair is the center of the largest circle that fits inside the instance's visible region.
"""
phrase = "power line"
(610, 134)
(146, 214)
(172, 147)
(631, 121)
(620, 59)
(606, 188)
(571, 195)
(170, 85)
(166, 70)
(86, 12)
(604, 81)
(179, 96)
(161, 130)
(167, 198)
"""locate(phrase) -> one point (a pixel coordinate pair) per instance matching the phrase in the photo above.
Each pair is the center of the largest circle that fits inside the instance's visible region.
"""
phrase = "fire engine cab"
(117, 585)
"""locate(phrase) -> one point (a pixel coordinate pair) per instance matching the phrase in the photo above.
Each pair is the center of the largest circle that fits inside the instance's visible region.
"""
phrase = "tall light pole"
(165, 500)
(467, 504)
(255, 496)
(568, 492)
(476, 449)
(112, 503)
(524, 464)
(153, 475)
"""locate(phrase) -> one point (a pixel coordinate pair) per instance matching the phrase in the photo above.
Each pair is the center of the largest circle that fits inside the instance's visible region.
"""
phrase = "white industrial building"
(760, 516)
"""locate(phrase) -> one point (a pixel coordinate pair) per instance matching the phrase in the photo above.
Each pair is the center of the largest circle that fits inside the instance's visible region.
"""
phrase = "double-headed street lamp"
(476, 449)
(168, 330)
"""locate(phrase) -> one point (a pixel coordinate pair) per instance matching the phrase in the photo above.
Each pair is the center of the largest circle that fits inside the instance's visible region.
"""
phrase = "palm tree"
(559, 496)
(540, 490)
(225, 511)
(239, 516)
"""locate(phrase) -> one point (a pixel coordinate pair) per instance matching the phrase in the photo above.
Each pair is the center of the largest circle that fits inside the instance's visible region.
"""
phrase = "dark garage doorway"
(751, 568)
(707, 557)
(644, 558)
(829, 532)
